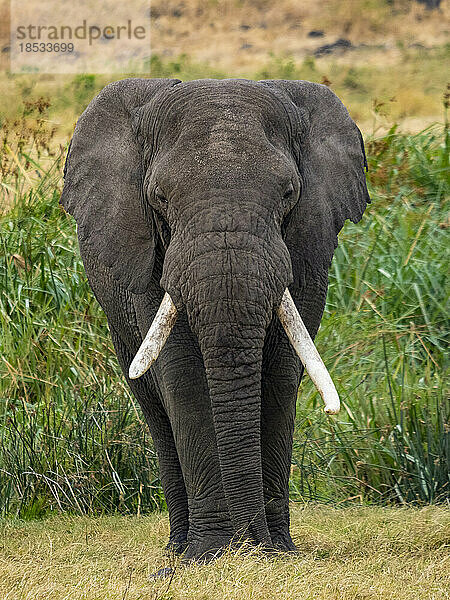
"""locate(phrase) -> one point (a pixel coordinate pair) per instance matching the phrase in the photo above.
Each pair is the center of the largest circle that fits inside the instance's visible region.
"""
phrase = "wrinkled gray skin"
(222, 193)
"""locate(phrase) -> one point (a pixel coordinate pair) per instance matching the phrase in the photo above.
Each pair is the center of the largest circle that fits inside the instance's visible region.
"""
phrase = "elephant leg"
(280, 380)
(129, 317)
(170, 470)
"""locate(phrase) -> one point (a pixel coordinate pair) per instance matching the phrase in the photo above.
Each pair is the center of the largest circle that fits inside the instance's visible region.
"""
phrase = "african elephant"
(216, 196)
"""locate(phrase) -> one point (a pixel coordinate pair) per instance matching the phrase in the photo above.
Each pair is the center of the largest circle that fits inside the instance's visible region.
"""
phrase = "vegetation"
(383, 335)
(394, 53)
(350, 554)
(410, 91)
(77, 466)
(72, 437)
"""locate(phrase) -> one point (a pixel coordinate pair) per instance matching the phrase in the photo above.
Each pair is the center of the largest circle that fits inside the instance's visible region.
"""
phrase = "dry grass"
(399, 49)
(349, 554)
(393, 54)
(212, 31)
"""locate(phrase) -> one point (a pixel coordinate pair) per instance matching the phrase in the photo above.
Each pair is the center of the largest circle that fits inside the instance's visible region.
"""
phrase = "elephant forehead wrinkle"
(194, 95)
(214, 217)
(199, 110)
(213, 241)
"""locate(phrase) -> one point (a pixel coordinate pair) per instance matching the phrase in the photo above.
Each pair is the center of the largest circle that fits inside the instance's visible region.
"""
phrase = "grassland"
(347, 554)
(71, 436)
(408, 82)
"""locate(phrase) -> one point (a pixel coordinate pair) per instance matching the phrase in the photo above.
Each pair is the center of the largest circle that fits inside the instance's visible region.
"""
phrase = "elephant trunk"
(232, 352)
(230, 290)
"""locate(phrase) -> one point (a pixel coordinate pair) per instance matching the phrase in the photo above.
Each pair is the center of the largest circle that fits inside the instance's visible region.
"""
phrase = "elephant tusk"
(155, 339)
(307, 352)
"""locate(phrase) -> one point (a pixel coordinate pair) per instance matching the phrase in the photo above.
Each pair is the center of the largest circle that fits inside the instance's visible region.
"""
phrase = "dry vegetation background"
(392, 55)
(397, 52)
(237, 35)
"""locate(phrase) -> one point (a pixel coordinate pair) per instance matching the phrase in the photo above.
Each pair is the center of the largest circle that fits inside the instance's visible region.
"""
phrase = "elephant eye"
(289, 192)
(160, 195)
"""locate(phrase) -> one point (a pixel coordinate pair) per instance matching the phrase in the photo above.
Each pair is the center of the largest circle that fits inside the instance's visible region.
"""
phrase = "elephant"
(203, 208)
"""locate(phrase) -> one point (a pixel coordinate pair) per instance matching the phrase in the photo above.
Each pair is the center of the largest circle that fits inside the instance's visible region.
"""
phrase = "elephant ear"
(103, 178)
(331, 162)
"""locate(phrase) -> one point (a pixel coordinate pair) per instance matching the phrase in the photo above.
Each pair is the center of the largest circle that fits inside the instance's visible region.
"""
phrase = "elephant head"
(244, 185)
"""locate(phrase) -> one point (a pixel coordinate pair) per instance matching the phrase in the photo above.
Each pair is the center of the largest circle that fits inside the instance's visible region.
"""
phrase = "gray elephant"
(200, 205)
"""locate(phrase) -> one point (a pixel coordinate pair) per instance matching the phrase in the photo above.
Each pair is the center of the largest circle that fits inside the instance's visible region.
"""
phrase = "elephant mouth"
(292, 323)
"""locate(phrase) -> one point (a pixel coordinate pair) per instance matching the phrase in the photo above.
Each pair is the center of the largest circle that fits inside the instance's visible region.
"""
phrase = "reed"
(71, 436)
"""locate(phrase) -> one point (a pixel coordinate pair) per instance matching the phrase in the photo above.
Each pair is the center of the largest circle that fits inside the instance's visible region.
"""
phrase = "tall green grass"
(72, 437)
(384, 336)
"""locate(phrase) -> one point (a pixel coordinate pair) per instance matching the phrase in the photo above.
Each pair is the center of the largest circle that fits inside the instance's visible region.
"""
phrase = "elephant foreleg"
(161, 432)
(281, 377)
